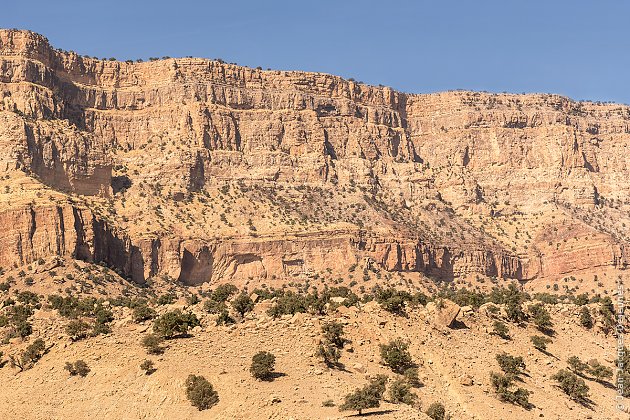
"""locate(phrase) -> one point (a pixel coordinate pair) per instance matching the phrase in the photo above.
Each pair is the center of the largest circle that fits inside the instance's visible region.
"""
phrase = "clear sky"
(577, 48)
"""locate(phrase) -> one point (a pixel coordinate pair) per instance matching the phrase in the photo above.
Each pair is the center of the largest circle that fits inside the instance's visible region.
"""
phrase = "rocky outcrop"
(448, 184)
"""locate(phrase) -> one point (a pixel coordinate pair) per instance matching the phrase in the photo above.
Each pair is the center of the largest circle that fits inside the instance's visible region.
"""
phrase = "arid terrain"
(155, 184)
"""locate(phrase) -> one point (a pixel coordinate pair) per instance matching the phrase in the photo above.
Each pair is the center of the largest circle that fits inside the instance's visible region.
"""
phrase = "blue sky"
(578, 48)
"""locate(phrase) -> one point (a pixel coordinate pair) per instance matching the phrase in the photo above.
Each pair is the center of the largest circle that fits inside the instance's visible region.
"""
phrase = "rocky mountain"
(205, 171)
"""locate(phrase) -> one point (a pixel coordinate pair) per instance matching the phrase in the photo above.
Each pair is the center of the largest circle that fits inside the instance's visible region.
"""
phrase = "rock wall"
(68, 120)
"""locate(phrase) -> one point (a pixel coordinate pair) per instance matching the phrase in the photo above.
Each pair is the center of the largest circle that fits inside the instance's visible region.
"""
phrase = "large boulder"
(443, 313)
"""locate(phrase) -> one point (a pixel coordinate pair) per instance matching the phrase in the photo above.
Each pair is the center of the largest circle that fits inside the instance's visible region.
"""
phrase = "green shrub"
(572, 385)
(243, 304)
(78, 368)
(223, 292)
(143, 313)
(23, 328)
(31, 355)
(436, 411)
(329, 353)
(412, 378)
(262, 365)
(607, 312)
(224, 318)
(369, 396)
(166, 299)
(576, 365)
(581, 299)
(175, 324)
(78, 330)
(28, 298)
(153, 343)
(512, 365)
(502, 384)
(400, 392)
(392, 300)
(72, 307)
(148, 367)
(200, 392)
(500, 329)
(586, 319)
(396, 355)
(540, 342)
(333, 333)
(541, 317)
(288, 304)
(213, 307)
(599, 371)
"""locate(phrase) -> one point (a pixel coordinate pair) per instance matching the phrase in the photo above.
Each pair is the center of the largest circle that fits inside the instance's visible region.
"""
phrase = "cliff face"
(207, 171)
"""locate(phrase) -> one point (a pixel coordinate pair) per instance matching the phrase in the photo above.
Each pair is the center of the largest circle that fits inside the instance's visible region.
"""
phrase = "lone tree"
(369, 396)
(395, 354)
(262, 365)
(175, 324)
(200, 392)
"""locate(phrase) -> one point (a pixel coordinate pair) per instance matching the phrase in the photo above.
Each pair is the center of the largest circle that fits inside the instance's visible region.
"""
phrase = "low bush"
(175, 324)
(262, 365)
(200, 392)
(143, 313)
(586, 319)
(500, 329)
(572, 385)
(512, 365)
(502, 385)
(31, 355)
(396, 355)
(541, 317)
(333, 333)
(153, 343)
(328, 353)
(400, 392)
(243, 304)
(148, 367)
(540, 342)
(78, 330)
(78, 368)
(412, 378)
(436, 411)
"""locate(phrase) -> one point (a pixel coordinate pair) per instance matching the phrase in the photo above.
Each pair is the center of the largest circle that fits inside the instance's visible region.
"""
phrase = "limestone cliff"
(206, 171)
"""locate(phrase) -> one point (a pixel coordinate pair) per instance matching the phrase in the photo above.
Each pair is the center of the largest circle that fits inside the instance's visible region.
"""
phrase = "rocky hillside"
(204, 171)
(103, 321)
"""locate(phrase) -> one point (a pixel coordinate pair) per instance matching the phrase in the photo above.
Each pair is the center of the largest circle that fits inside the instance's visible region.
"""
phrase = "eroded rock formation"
(206, 171)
